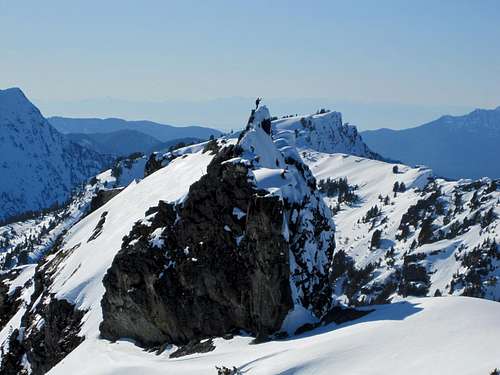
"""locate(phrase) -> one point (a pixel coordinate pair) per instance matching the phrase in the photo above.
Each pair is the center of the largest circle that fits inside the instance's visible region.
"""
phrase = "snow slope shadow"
(395, 311)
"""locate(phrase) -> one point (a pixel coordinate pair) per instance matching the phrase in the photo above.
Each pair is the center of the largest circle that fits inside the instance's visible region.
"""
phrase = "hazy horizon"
(393, 64)
(232, 113)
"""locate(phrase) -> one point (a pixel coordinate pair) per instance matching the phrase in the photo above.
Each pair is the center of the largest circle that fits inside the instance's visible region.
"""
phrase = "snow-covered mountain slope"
(88, 248)
(236, 235)
(267, 204)
(24, 242)
(453, 146)
(441, 336)
(39, 167)
(324, 132)
(436, 237)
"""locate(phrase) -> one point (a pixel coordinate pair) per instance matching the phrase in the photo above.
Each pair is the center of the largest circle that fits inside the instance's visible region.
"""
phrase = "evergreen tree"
(395, 188)
(425, 235)
(375, 242)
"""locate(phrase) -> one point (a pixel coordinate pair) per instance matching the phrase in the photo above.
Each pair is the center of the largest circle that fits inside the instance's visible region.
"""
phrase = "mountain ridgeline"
(161, 132)
(453, 146)
(125, 142)
(39, 166)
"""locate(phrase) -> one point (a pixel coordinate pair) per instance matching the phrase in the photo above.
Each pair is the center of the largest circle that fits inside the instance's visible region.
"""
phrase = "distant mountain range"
(161, 132)
(124, 142)
(41, 162)
(453, 146)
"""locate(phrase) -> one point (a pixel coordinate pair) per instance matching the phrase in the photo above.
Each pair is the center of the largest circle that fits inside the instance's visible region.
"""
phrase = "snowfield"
(79, 276)
(446, 335)
(443, 257)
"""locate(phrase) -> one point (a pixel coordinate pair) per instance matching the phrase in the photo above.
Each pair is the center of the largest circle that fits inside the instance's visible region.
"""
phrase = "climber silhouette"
(257, 102)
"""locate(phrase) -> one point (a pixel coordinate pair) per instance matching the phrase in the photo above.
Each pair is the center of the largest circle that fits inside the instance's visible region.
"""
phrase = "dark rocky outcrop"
(153, 164)
(98, 228)
(198, 270)
(9, 303)
(102, 197)
(50, 331)
(57, 337)
(11, 360)
(193, 348)
(206, 284)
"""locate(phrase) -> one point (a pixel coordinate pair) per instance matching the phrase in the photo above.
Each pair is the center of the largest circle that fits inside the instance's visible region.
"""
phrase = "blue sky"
(382, 63)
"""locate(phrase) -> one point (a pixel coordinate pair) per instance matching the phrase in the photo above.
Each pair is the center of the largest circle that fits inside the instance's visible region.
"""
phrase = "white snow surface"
(79, 277)
(269, 171)
(441, 336)
(446, 335)
(376, 178)
(323, 132)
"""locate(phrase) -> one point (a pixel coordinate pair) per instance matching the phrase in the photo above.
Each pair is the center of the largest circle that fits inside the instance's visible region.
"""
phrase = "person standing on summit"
(257, 102)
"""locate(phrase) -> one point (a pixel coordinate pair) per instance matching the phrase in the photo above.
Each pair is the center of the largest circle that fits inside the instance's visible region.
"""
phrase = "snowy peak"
(40, 166)
(323, 132)
(15, 107)
(257, 143)
(13, 98)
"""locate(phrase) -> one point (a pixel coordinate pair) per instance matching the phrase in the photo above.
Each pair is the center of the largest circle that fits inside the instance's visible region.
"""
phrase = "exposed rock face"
(9, 303)
(205, 284)
(324, 132)
(11, 360)
(232, 256)
(102, 197)
(57, 337)
(50, 329)
(153, 164)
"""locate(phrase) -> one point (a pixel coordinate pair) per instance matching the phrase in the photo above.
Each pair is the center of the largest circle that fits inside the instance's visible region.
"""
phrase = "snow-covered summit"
(257, 142)
(12, 100)
(39, 167)
(323, 132)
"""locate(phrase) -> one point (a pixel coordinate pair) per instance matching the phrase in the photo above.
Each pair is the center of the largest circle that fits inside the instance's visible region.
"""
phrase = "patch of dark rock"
(260, 339)
(339, 315)
(205, 285)
(153, 164)
(157, 161)
(44, 344)
(223, 370)
(102, 197)
(11, 360)
(98, 228)
(9, 303)
(305, 327)
(193, 348)
(50, 343)
(212, 147)
(414, 278)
